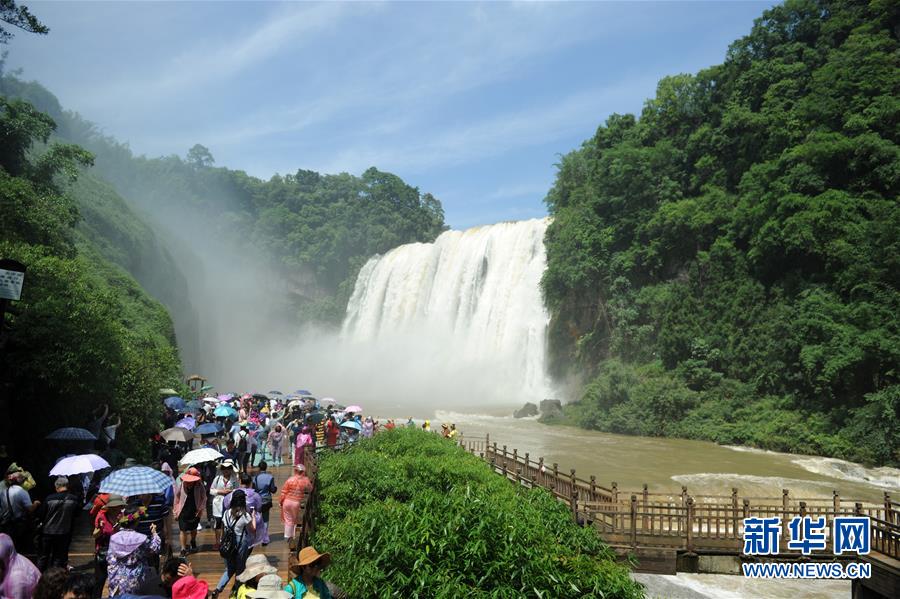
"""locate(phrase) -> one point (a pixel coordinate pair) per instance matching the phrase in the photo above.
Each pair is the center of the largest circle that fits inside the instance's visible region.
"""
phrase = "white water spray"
(467, 308)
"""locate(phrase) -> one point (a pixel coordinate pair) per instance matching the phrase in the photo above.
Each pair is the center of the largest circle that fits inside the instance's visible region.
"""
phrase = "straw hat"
(309, 555)
(256, 565)
(270, 587)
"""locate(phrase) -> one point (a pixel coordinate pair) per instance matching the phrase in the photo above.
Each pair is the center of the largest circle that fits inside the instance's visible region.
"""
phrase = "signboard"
(12, 276)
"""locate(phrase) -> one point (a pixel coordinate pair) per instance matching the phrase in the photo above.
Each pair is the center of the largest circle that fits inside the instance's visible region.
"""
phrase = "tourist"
(304, 440)
(222, 485)
(18, 576)
(257, 566)
(174, 569)
(445, 430)
(389, 425)
(264, 484)
(105, 521)
(230, 451)
(270, 587)
(276, 444)
(292, 494)
(236, 520)
(332, 432)
(15, 506)
(52, 584)
(78, 585)
(426, 426)
(243, 455)
(410, 423)
(190, 505)
(307, 581)
(260, 536)
(130, 553)
(57, 514)
(188, 587)
(453, 433)
(368, 428)
(253, 442)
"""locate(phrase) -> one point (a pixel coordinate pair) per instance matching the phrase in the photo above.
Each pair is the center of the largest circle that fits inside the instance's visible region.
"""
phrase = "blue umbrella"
(138, 480)
(195, 404)
(176, 403)
(225, 412)
(352, 424)
(303, 392)
(209, 428)
(71, 433)
(275, 393)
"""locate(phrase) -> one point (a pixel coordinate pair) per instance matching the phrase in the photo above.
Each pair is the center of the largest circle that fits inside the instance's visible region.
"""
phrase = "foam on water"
(752, 485)
(884, 477)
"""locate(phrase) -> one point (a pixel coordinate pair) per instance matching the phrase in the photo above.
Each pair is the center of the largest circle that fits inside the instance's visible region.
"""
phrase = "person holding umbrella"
(190, 505)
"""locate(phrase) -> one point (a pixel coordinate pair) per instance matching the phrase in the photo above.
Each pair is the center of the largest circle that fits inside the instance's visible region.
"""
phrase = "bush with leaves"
(409, 514)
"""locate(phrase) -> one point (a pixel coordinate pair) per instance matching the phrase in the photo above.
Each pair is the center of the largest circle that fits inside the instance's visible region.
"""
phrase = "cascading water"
(466, 308)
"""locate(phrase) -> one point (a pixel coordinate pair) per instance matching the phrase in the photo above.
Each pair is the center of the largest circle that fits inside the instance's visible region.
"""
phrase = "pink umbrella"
(354, 409)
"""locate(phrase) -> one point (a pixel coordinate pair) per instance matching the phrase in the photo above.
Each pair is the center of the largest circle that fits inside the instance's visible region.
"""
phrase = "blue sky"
(473, 102)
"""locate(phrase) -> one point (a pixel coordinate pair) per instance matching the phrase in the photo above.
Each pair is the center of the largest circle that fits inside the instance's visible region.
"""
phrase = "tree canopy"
(739, 243)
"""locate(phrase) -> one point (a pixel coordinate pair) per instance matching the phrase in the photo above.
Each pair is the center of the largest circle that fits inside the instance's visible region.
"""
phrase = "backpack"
(228, 547)
(242, 445)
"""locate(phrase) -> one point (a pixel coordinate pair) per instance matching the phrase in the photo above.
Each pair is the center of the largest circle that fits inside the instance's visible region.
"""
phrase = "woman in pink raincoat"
(304, 440)
(19, 576)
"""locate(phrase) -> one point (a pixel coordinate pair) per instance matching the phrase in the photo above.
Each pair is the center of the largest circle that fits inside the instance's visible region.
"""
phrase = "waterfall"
(466, 308)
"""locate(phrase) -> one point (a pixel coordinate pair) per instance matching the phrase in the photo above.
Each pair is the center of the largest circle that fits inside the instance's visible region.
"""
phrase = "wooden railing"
(681, 520)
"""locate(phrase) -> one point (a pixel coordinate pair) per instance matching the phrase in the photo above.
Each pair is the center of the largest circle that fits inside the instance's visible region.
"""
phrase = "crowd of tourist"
(227, 487)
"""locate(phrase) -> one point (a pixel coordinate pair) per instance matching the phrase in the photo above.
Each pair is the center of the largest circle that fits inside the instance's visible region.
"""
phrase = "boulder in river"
(529, 409)
(551, 407)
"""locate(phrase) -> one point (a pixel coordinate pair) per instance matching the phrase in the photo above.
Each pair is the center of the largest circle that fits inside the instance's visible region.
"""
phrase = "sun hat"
(308, 555)
(269, 587)
(256, 565)
(189, 587)
(191, 475)
(115, 501)
(299, 467)
(228, 463)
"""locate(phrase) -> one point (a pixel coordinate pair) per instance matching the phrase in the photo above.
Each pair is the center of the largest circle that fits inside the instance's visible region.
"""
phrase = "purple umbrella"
(189, 423)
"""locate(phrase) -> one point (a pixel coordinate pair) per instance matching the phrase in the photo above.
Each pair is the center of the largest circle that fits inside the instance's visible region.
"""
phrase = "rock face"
(529, 409)
(551, 407)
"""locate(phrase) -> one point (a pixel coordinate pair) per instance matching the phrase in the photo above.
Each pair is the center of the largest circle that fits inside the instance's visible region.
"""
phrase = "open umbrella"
(174, 402)
(206, 388)
(275, 393)
(354, 409)
(167, 391)
(295, 403)
(195, 404)
(137, 480)
(78, 464)
(209, 428)
(352, 424)
(188, 423)
(71, 433)
(178, 434)
(224, 411)
(315, 417)
(198, 456)
(303, 392)
(225, 397)
(327, 400)
(260, 396)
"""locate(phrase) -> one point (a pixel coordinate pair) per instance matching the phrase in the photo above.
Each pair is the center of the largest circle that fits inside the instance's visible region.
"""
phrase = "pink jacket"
(181, 497)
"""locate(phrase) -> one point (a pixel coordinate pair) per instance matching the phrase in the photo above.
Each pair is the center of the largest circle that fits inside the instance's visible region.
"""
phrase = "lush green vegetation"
(84, 332)
(726, 266)
(409, 514)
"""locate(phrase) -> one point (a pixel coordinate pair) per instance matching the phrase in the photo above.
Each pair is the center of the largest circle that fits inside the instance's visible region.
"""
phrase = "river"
(666, 465)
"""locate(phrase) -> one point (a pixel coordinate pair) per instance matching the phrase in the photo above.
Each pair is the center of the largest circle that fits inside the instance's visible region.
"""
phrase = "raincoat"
(304, 439)
(21, 576)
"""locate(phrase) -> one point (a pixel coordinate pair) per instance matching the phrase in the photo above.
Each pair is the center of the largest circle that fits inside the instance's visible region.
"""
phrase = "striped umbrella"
(137, 480)
(71, 433)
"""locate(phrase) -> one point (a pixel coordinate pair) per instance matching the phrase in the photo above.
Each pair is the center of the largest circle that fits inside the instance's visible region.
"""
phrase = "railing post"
(615, 492)
(689, 516)
(487, 441)
(684, 496)
(594, 488)
(802, 508)
(634, 520)
(615, 503)
(572, 487)
(515, 456)
(541, 470)
(746, 508)
(857, 509)
(785, 506)
(644, 504)
(836, 502)
(888, 510)
(574, 502)
(734, 511)
(527, 465)
(555, 475)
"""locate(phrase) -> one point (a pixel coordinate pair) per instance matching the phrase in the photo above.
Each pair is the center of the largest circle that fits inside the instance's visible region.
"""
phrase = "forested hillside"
(84, 333)
(726, 266)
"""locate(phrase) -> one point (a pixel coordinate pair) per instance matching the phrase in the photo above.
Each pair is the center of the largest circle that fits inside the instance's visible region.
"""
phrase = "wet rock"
(529, 409)
(551, 407)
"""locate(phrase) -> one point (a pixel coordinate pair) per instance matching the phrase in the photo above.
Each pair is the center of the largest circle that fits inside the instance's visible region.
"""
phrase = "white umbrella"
(295, 403)
(198, 456)
(79, 464)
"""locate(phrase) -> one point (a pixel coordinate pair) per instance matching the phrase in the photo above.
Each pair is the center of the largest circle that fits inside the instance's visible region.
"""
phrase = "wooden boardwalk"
(668, 533)
(207, 563)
